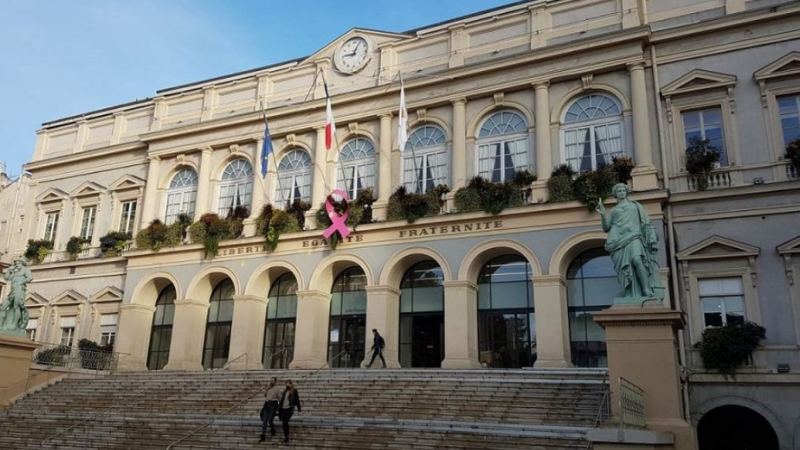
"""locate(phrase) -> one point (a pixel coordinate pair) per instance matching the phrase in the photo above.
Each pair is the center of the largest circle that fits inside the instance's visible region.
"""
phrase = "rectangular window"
(500, 161)
(234, 195)
(33, 324)
(128, 217)
(67, 330)
(180, 203)
(51, 226)
(706, 124)
(722, 301)
(789, 110)
(108, 329)
(359, 177)
(592, 147)
(87, 223)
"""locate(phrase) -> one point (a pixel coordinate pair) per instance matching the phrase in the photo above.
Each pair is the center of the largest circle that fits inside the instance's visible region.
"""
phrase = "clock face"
(353, 55)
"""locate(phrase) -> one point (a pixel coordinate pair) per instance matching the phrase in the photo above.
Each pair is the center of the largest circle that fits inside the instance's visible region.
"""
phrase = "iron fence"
(631, 405)
(55, 355)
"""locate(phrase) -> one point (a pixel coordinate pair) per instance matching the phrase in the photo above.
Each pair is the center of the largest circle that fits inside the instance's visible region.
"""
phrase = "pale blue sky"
(60, 58)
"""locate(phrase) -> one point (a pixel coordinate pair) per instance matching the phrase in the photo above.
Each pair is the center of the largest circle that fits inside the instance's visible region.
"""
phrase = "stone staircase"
(353, 409)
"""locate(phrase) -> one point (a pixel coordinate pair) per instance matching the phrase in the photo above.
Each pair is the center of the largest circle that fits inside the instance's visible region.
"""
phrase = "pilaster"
(203, 183)
(247, 332)
(552, 321)
(383, 314)
(644, 173)
(311, 333)
(544, 152)
(188, 333)
(460, 325)
(135, 322)
(149, 211)
(459, 156)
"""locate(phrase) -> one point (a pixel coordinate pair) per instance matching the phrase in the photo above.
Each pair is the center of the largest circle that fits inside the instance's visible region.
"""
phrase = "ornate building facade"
(527, 86)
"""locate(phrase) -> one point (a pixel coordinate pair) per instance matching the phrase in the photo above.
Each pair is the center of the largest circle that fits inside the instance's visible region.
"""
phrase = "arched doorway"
(506, 315)
(348, 323)
(734, 427)
(218, 327)
(591, 287)
(422, 316)
(280, 324)
(161, 331)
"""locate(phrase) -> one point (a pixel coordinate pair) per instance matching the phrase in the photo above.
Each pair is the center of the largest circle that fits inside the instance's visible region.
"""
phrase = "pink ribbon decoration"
(338, 221)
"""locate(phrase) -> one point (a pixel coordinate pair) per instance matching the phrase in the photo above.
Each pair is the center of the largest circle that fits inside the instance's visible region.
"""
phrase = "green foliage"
(493, 198)
(793, 153)
(623, 166)
(113, 243)
(524, 178)
(271, 223)
(563, 169)
(364, 201)
(74, 246)
(211, 229)
(95, 356)
(700, 158)
(559, 188)
(467, 200)
(729, 347)
(592, 185)
(157, 235)
(54, 356)
(181, 224)
(298, 209)
(37, 250)
(404, 205)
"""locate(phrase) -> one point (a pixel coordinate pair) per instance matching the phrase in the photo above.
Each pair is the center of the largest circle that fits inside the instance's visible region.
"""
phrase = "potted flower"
(793, 154)
(701, 159)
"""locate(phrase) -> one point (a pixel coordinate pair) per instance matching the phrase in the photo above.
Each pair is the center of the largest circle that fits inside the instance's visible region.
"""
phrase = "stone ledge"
(634, 437)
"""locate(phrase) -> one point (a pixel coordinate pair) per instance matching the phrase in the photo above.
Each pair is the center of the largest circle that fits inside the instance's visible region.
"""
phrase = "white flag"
(402, 126)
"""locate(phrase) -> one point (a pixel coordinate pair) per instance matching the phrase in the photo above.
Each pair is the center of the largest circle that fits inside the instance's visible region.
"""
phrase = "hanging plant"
(157, 235)
(181, 225)
(623, 166)
(407, 206)
(364, 201)
(37, 250)
(236, 218)
(482, 195)
(729, 347)
(593, 185)
(559, 186)
(700, 159)
(298, 209)
(271, 223)
(74, 246)
(113, 243)
(524, 178)
(793, 153)
(210, 230)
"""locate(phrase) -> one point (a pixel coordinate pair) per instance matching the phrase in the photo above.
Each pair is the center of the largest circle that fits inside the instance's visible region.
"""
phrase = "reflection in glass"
(280, 324)
(161, 332)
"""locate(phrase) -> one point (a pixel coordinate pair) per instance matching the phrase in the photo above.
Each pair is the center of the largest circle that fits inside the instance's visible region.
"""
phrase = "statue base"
(656, 300)
(16, 354)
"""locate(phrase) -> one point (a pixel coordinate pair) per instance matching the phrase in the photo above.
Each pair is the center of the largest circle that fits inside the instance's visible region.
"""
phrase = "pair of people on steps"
(281, 403)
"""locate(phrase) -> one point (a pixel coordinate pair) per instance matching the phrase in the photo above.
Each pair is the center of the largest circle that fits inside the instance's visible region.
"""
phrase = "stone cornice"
(382, 288)
(84, 156)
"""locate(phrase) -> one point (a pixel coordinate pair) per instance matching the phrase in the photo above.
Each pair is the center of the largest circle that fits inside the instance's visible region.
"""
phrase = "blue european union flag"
(266, 148)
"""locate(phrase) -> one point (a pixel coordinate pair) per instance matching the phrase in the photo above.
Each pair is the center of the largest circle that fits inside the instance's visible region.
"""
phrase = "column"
(188, 333)
(644, 173)
(459, 144)
(460, 325)
(203, 183)
(384, 168)
(552, 321)
(135, 322)
(544, 151)
(311, 333)
(247, 332)
(383, 314)
(150, 209)
(318, 189)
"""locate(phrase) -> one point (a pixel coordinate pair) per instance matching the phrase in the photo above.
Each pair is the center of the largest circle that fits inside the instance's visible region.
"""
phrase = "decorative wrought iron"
(55, 355)
(631, 405)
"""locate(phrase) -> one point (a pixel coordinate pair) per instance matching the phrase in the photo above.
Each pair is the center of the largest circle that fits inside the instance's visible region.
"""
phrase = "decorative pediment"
(717, 247)
(52, 195)
(86, 189)
(375, 36)
(698, 80)
(127, 182)
(34, 300)
(68, 297)
(787, 250)
(787, 66)
(107, 294)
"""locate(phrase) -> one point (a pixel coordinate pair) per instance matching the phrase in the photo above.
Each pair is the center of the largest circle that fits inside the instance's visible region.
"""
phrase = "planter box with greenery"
(793, 154)
(74, 247)
(37, 250)
(272, 223)
(211, 229)
(589, 186)
(114, 243)
(57, 356)
(482, 195)
(729, 347)
(559, 186)
(701, 158)
(158, 235)
(409, 206)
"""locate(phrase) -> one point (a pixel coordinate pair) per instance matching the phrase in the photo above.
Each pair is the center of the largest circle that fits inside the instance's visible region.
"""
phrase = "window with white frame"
(426, 163)
(108, 329)
(502, 146)
(51, 226)
(789, 110)
(31, 327)
(357, 160)
(592, 132)
(294, 178)
(67, 330)
(236, 188)
(181, 195)
(87, 222)
(722, 301)
(127, 218)
(706, 124)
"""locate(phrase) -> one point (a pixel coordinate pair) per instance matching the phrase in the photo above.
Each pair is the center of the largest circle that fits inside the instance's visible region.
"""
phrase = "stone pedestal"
(247, 332)
(643, 349)
(132, 345)
(311, 333)
(15, 363)
(383, 314)
(460, 325)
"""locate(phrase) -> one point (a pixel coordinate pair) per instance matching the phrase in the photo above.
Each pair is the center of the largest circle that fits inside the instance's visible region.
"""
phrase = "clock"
(352, 55)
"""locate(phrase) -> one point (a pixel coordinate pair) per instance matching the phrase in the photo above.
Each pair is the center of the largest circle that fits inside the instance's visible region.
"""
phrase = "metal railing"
(631, 405)
(283, 351)
(56, 355)
(228, 364)
(244, 401)
(604, 409)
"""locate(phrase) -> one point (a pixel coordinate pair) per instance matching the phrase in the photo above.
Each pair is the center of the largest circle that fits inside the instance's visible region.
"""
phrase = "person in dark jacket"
(377, 347)
(271, 397)
(290, 400)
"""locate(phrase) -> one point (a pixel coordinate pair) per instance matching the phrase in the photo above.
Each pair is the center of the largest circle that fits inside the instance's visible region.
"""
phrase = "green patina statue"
(13, 315)
(633, 245)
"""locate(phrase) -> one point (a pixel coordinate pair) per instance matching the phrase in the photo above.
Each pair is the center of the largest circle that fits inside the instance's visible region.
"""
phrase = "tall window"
(218, 329)
(87, 223)
(592, 132)
(503, 146)
(506, 315)
(348, 323)
(789, 110)
(30, 328)
(127, 218)
(236, 188)
(422, 316)
(280, 326)
(67, 331)
(108, 328)
(358, 166)
(591, 287)
(51, 226)
(161, 332)
(425, 159)
(294, 175)
(706, 124)
(181, 195)
(722, 300)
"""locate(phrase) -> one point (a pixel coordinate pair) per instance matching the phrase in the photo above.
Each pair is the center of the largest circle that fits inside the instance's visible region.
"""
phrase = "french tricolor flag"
(330, 126)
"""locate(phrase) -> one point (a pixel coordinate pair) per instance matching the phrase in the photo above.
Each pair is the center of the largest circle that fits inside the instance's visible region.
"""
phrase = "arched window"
(426, 163)
(422, 316)
(280, 326)
(506, 315)
(735, 427)
(161, 332)
(236, 188)
(591, 287)
(592, 132)
(181, 195)
(348, 323)
(358, 166)
(218, 327)
(503, 146)
(294, 176)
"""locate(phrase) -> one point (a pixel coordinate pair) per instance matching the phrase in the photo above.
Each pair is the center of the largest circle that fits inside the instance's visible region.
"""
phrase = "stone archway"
(735, 427)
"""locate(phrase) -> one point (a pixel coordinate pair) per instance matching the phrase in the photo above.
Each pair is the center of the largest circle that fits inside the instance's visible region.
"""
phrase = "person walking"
(377, 347)
(290, 400)
(271, 398)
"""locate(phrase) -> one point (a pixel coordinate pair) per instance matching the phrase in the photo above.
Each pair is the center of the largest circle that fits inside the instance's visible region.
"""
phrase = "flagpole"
(413, 154)
(277, 175)
(336, 141)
